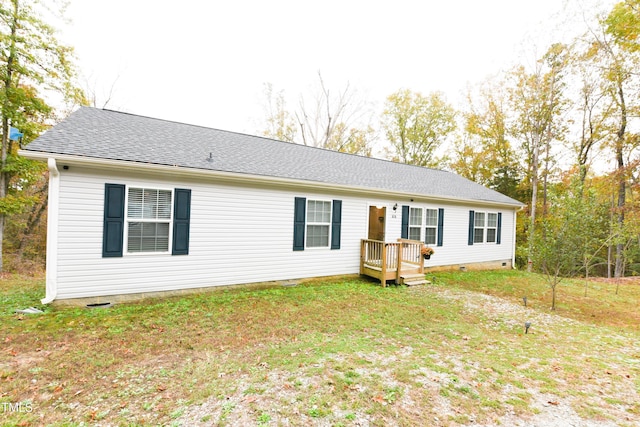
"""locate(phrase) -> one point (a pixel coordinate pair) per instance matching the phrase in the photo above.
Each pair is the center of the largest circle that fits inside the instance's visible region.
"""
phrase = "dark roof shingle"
(104, 134)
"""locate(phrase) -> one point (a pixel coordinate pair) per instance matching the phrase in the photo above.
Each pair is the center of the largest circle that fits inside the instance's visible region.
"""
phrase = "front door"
(377, 218)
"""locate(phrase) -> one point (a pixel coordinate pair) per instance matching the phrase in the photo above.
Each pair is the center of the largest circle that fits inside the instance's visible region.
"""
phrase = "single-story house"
(139, 205)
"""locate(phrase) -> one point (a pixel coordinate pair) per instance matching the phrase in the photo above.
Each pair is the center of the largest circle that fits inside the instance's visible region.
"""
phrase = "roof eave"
(125, 165)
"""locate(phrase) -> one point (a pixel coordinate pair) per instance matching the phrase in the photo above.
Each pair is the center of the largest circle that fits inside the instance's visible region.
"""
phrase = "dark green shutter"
(299, 213)
(181, 221)
(440, 225)
(499, 236)
(472, 218)
(405, 222)
(336, 220)
(113, 226)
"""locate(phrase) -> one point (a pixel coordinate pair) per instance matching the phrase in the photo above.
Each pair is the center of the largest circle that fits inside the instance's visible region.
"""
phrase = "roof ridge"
(265, 138)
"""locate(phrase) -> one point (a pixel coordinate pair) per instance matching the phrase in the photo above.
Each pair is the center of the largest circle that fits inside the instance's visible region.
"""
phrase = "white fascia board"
(123, 165)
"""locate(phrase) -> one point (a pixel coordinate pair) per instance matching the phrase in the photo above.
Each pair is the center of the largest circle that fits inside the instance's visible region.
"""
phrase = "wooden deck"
(390, 260)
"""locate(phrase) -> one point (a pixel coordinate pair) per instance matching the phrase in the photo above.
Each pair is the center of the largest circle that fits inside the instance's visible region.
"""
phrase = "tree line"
(560, 136)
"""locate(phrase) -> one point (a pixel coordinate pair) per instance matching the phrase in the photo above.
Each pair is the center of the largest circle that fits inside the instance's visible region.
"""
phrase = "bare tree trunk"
(34, 219)
(3, 180)
(622, 188)
(4, 176)
(534, 202)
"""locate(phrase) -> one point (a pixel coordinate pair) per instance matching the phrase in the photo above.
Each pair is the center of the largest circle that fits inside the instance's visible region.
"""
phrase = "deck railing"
(389, 260)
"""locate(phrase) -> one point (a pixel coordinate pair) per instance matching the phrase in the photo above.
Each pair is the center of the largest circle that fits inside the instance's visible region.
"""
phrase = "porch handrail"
(390, 256)
(409, 252)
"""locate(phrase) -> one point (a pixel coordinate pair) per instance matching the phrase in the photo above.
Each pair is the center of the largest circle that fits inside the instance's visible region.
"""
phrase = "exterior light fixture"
(524, 299)
(395, 207)
(527, 325)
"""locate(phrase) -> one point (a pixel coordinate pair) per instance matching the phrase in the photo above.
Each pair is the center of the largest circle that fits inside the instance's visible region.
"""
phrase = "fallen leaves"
(379, 399)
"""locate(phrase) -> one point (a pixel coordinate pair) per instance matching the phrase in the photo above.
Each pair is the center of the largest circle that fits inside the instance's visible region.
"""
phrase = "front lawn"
(342, 352)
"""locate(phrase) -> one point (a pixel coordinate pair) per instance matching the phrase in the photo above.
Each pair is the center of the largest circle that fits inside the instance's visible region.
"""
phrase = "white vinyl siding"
(148, 220)
(318, 223)
(238, 234)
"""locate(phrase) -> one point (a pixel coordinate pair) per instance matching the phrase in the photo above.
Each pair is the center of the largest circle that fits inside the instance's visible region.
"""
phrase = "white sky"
(205, 62)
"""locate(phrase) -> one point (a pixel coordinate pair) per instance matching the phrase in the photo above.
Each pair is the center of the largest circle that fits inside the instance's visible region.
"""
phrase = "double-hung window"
(492, 227)
(478, 230)
(318, 223)
(484, 227)
(148, 220)
(431, 226)
(414, 220)
(140, 220)
(415, 223)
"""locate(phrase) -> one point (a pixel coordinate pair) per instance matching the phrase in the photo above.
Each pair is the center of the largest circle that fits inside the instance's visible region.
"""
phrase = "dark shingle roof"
(104, 134)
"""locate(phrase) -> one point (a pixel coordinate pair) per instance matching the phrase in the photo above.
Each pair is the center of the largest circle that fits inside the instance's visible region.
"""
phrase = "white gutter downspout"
(52, 232)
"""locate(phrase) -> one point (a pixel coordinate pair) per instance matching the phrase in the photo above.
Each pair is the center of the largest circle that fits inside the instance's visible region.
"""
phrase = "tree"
(280, 124)
(31, 60)
(537, 101)
(616, 52)
(25, 232)
(484, 153)
(565, 237)
(417, 125)
(593, 109)
(326, 119)
(591, 216)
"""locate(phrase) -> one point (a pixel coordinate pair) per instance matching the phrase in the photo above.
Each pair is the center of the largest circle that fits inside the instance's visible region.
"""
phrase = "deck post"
(399, 261)
(362, 255)
(383, 266)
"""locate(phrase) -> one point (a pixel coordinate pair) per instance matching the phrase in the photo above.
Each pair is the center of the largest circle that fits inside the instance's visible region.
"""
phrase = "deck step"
(412, 276)
(416, 282)
(414, 279)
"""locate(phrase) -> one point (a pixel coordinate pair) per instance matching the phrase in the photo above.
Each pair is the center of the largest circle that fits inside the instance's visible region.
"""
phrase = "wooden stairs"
(413, 279)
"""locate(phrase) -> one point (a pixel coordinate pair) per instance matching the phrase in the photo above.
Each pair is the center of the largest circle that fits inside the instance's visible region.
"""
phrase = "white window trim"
(307, 223)
(483, 227)
(486, 232)
(434, 227)
(423, 223)
(486, 228)
(419, 226)
(127, 220)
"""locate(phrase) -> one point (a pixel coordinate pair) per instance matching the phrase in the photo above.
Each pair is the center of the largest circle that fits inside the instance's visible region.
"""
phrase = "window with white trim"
(485, 227)
(492, 227)
(318, 223)
(415, 223)
(431, 226)
(149, 215)
(478, 227)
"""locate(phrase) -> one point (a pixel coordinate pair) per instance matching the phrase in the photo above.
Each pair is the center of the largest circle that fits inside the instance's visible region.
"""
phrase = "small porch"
(400, 261)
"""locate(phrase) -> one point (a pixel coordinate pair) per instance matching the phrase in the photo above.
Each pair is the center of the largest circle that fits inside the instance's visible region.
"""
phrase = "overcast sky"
(205, 62)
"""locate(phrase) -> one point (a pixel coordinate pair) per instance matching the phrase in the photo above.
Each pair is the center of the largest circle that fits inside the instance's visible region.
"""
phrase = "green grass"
(604, 304)
(336, 352)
